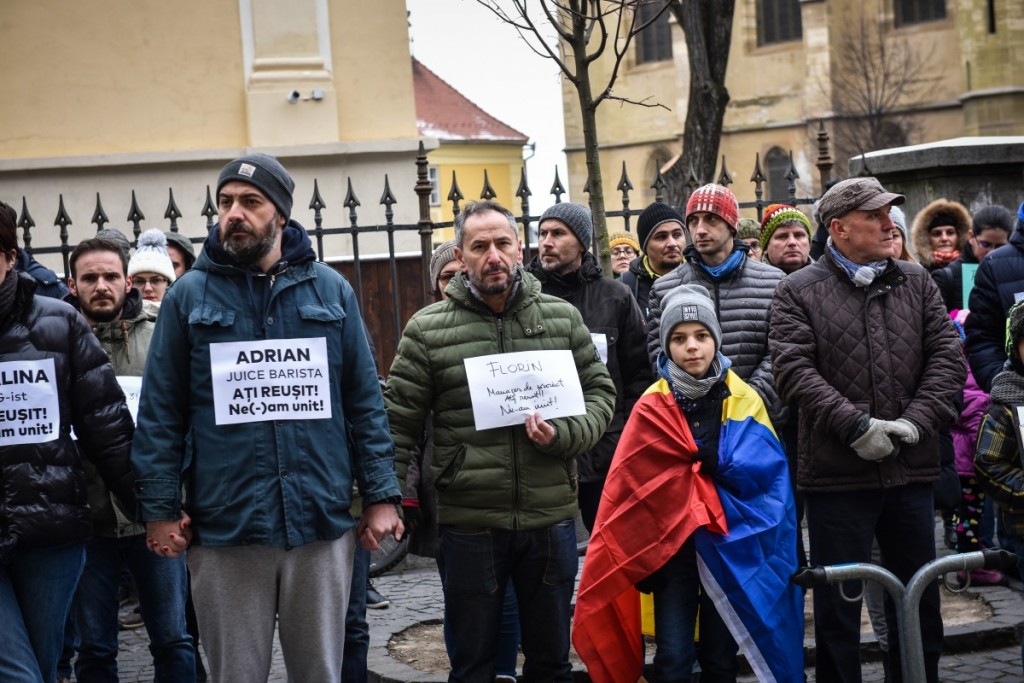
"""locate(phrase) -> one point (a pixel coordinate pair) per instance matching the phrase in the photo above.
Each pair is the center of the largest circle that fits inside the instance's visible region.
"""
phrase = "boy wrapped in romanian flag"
(697, 509)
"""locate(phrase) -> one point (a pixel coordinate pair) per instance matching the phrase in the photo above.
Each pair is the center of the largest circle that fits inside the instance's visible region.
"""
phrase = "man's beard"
(103, 316)
(253, 250)
(497, 288)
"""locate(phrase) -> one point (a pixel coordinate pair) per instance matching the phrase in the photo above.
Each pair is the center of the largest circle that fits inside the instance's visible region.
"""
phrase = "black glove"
(707, 457)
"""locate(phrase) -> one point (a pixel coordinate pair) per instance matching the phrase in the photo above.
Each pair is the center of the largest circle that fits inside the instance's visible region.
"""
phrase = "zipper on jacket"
(499, 322)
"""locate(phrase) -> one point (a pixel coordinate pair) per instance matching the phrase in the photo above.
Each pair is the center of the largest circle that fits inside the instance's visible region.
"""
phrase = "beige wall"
(503, 163)
(111, 96)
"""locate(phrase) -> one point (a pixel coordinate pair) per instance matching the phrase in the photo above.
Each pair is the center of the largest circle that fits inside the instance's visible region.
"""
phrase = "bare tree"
(876, 83)
(583, 31)
(707, 25)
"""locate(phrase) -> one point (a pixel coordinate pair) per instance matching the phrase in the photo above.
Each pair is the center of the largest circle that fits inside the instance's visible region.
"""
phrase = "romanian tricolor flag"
(744, 524)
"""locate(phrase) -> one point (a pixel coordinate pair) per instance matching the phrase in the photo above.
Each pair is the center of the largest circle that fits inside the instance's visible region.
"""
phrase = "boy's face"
(692, 348)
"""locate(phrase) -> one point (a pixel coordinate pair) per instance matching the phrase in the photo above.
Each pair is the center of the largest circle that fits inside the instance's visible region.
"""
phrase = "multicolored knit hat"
(781, 214)
(748, 229)
(716, 199)
(623, 239)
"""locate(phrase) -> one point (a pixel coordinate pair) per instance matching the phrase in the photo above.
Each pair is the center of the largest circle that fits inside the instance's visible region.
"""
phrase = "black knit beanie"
(266, 174)
(653, 216)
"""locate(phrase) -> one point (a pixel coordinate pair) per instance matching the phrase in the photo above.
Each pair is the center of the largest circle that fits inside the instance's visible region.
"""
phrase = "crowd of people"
(208, 432)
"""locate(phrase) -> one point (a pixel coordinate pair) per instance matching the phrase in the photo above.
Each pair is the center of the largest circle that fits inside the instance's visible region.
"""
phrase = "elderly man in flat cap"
(862, 343)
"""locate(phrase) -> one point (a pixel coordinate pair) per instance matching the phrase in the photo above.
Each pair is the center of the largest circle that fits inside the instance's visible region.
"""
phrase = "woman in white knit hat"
(150, 268)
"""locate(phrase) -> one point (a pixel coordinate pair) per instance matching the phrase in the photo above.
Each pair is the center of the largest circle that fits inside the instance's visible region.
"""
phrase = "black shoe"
(375, 600)
(130, 617)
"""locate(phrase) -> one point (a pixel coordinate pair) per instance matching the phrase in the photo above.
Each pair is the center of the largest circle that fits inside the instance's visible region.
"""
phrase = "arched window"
(776, 166)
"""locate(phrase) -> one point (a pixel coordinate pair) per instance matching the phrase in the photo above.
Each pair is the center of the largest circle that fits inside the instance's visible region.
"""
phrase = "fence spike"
(557, 188)
(351, 201)
(488, 192)
(758, 175)
(586, 185)
(63, 220)
(791, 176)
(625, 185)
(388, 200)
(26, 223)
(209, 210)
(172, 211)
(135, 217)
(724, 178)
(658, 184)
(99, 216)
(317, 202)
(824, 162)
(318, 205)
(523, 191)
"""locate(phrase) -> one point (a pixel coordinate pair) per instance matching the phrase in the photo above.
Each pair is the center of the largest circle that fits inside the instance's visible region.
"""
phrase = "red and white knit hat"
(716, 199)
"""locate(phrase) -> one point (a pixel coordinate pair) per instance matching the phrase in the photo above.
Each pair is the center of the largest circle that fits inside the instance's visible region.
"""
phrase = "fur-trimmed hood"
(950, 213)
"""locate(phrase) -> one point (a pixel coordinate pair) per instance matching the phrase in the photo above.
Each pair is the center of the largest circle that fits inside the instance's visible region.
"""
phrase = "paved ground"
(414, 590)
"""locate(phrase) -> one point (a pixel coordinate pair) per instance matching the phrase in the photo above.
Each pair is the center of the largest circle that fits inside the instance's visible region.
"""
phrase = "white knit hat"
(151, 255)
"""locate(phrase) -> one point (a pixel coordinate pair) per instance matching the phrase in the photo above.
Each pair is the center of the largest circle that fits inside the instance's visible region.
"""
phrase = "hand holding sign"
(539, 431)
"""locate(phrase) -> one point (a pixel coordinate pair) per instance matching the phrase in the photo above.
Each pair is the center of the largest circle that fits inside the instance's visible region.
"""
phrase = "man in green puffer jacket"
(506, 496)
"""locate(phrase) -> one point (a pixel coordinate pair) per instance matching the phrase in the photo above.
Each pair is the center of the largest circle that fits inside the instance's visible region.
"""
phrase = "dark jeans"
(841, 525)
(357, 630)
(507, 658)
(677, 596)
(475, 565)
(35, 596)
(162, 584)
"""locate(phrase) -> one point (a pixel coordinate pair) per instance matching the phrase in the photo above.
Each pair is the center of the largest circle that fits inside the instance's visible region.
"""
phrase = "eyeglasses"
(989, 245)
(142, 282)
(445, 278)
(623, 251)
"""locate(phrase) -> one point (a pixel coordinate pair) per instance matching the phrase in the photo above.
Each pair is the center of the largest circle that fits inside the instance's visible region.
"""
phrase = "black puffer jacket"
(43, 495)
(998, 283)
(840, 351)
(607, 308)
(639, 281)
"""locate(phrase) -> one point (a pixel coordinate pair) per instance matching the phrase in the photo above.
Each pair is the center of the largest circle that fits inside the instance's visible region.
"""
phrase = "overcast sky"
(486, 61)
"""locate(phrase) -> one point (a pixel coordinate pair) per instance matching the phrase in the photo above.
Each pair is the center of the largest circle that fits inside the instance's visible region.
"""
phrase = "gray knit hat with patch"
(266, 174)
(576, 216)
(689, 304)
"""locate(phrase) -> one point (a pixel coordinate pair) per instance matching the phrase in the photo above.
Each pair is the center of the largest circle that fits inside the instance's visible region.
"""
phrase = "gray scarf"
(1008, 388)
(689, 386)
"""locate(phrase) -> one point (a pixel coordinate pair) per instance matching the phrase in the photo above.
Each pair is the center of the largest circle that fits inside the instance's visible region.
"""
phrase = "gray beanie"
(266, 174)
(576, 216)
(900, 220)
(442, 256)
(689, 304)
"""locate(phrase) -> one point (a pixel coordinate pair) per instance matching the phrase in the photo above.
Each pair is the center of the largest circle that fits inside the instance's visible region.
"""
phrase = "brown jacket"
(839, 351)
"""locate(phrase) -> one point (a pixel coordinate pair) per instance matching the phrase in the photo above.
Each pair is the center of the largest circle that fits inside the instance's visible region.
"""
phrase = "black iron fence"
(392, 286)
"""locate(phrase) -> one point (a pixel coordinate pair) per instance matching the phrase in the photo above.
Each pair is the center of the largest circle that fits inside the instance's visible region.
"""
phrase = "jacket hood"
(296, 248)
(952, 213)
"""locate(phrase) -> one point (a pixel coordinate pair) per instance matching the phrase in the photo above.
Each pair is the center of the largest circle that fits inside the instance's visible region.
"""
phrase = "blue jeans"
(162, 584)
(1015, 544)
(35, 595)
(476, 565)
(507, 658)
(841, 526)
(357, 630)
(677, 595)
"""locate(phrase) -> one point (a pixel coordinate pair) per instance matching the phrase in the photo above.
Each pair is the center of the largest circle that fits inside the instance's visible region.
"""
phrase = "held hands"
(169, 537)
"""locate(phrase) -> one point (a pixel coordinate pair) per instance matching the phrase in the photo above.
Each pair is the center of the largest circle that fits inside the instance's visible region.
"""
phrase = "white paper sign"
(506, 387)
(29, 407)
(601, 342)
(277, 379)
(132, 388)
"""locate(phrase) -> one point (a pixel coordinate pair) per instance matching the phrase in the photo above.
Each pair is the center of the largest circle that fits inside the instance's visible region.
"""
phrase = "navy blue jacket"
(998, 284)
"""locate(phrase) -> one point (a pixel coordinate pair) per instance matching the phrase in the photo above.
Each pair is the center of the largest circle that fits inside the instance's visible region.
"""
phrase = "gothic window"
(918, 11)
(654, 43)
(778, 21)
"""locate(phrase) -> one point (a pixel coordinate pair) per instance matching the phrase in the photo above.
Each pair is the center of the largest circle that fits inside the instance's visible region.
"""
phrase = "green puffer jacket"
(495, 478)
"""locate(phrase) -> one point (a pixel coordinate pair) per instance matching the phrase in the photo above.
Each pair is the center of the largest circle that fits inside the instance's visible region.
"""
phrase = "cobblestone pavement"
(415, 594)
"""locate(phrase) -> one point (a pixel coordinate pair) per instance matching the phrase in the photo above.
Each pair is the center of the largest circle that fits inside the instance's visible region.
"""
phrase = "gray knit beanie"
(899, 220)
(689, 304)
(266, 174)
(576, 216)
(442, 256)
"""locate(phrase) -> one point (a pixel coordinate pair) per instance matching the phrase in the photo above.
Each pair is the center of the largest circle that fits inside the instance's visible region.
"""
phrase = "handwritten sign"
(601, 344)
(132, 388)
(277, 379)
(29, 407)
(506, 387)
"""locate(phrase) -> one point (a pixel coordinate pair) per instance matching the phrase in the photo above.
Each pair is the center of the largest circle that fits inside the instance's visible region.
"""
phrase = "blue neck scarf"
(719, 273)
(861, 274)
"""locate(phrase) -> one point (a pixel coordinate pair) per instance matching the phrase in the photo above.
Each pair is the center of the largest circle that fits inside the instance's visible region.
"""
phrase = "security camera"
(293, 97)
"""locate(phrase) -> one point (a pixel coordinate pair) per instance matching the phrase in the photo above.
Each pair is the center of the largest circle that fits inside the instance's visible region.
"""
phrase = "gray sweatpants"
(238, 592)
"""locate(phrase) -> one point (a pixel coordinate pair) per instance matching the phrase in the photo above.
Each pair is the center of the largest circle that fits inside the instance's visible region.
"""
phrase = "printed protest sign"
(29, 407)
(132, 388)
(506, 387)
(277, 379)
(968, 271)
